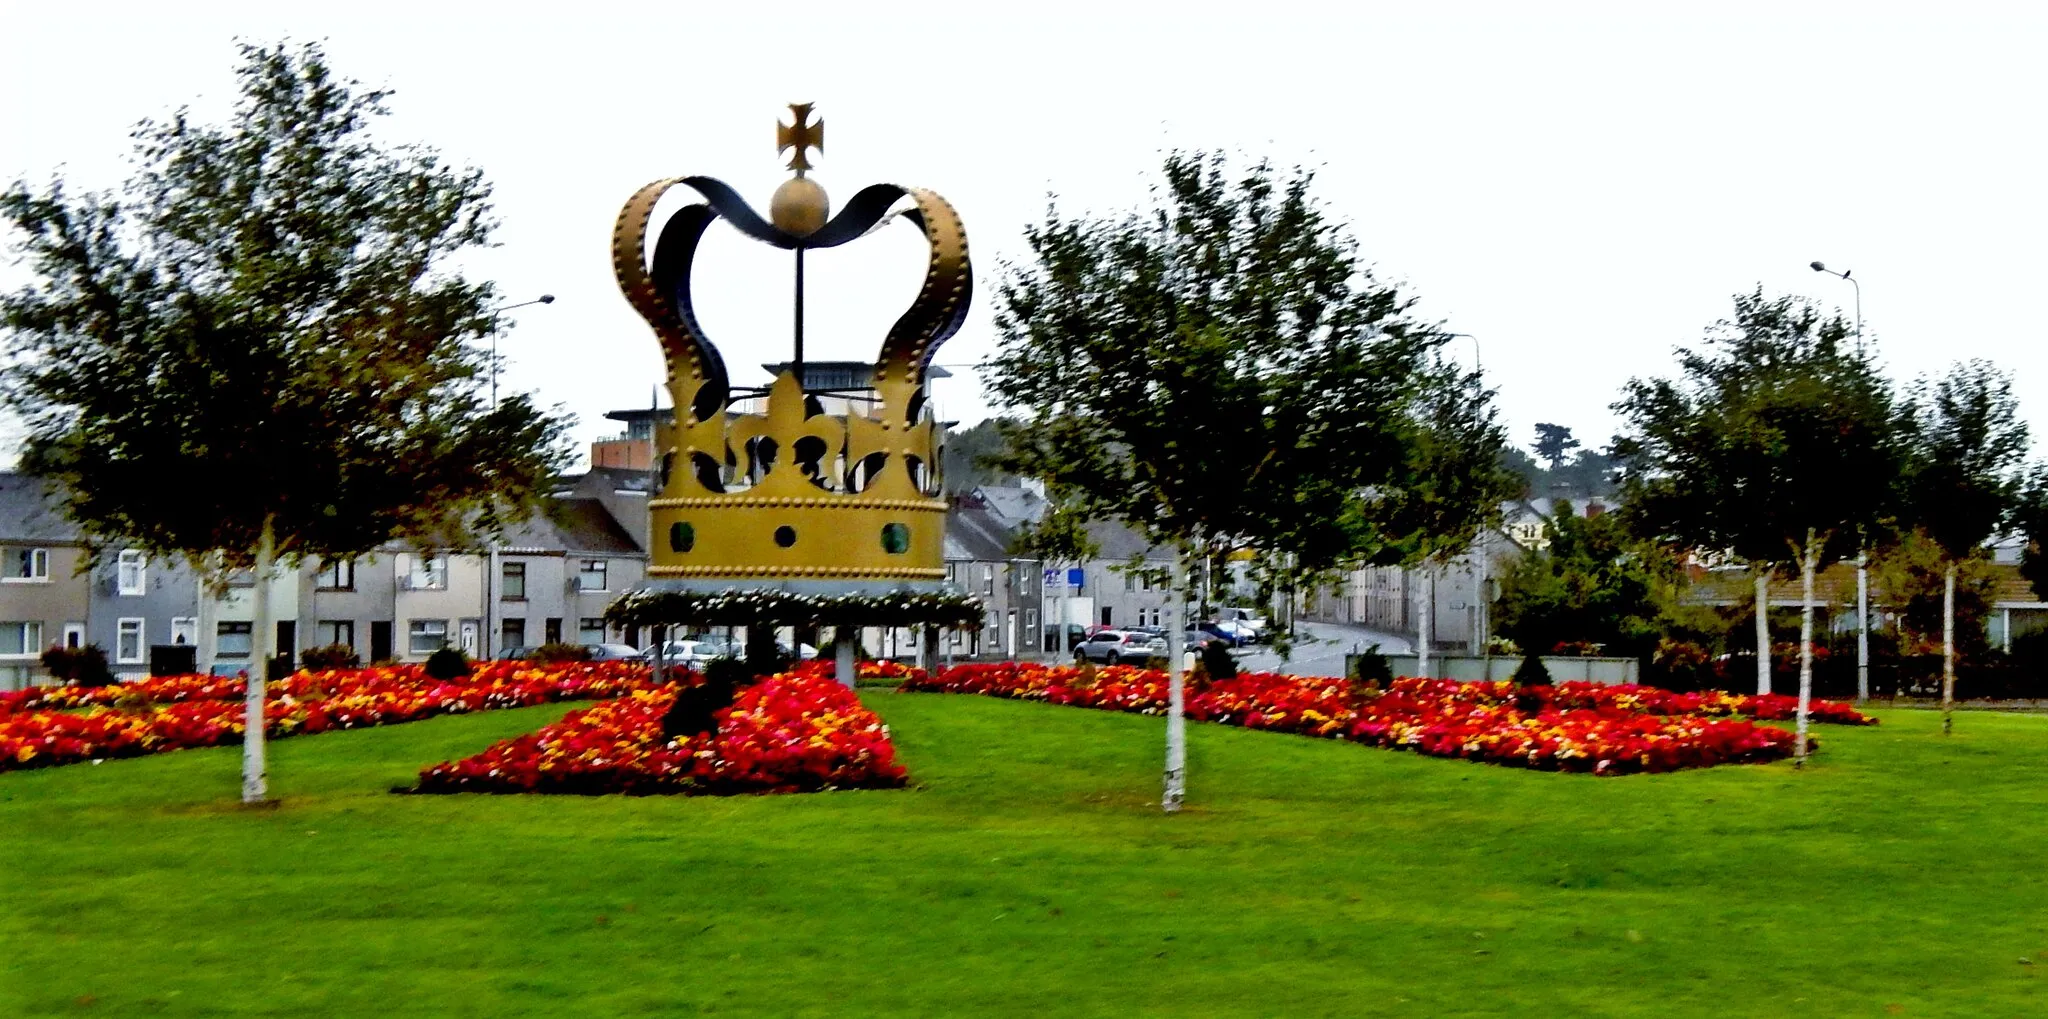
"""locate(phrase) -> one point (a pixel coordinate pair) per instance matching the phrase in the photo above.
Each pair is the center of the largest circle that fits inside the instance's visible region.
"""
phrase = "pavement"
(1319, 649)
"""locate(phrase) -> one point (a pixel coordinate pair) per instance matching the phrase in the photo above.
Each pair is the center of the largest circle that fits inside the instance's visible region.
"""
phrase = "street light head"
(550, 298)
(1818, 267)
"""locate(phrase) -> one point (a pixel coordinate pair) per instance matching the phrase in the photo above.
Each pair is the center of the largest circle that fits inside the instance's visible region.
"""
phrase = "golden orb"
(799, 206)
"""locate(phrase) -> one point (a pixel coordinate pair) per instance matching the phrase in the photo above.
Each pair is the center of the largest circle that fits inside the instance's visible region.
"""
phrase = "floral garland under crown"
(771, 606)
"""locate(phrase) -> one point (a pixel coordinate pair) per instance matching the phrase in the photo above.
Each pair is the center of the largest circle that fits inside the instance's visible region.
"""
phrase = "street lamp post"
(1482, 625)
(1862, 557)
(542, 299)
(488, 640)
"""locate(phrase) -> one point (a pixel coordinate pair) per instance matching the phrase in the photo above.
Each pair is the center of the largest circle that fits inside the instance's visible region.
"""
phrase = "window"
(426, 573)
(232, 640)
(336, 631)
(337, 575)
(988, 580)
(128, 642)
(511, 633)
(591, 576)
(129, 575)
(590, 630)
(1130, 582)
(28, 564)
(426, 636)
(512, 581)
(184, 630)
(21, 638)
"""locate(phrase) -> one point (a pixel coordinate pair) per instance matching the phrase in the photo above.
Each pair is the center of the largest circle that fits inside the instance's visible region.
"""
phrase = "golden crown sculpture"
(794, 494)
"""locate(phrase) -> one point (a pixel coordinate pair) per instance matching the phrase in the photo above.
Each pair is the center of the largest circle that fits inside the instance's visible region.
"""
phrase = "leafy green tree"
(257, 352)
(964, 459)
(1779, 442)
(1964, 480)
(2030, 519)
(1222, 371)
(1595, 583)
(1554, 443)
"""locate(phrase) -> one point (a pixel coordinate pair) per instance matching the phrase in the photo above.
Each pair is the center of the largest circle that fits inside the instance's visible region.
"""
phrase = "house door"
(288, 643)
(469, 631)
(380, 640)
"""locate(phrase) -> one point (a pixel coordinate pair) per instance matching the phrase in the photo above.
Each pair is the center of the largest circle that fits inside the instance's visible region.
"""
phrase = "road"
(1320, 650)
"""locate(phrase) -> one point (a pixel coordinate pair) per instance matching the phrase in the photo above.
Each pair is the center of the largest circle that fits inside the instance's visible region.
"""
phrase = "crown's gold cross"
(802, 135)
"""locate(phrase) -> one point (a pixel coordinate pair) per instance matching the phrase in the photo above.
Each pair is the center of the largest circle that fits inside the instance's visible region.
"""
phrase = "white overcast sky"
(1582, 187)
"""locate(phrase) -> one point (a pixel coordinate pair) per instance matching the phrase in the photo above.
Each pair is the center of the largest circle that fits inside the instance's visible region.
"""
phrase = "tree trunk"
(1763, 631)
(1176, 717)
(1862, 627)
(660, 653)
(1809, 560)
(844, 661)
(1425, 632)
(1948, 649)
(255, 776)
(202, 616)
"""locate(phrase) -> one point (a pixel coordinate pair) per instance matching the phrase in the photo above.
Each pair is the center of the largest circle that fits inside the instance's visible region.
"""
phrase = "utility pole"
(1862, 557)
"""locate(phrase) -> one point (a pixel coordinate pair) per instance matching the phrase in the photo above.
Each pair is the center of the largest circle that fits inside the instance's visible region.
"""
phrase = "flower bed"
(37, 728)
(797, 732)
(1580, 727)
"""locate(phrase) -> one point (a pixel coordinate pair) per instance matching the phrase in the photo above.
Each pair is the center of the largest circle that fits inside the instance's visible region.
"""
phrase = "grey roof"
(1119, 542)
(30, 511)
(572, 525)
(976, 535)
(1012, 504)
(606, 479)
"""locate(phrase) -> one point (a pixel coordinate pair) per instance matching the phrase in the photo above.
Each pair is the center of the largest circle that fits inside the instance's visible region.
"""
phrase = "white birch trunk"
(255, 775)
(1763, 631)
(202, 617)
(843, 658)
(1948, 649)
(1863, 628)
(1808, 559)
(1425, 633)
(1176, 717)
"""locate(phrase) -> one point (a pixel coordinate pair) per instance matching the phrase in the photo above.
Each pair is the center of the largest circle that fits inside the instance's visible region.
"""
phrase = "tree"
(963, 460)
(1963, 481)
(1779, 443)
(256, 353)
(1554, 443)
(1595, 583)
(1223, 372)
(2030, 519)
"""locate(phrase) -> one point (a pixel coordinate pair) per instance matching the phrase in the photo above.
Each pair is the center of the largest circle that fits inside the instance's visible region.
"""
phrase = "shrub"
(1532, 672)
(81, 666)
(728, 671)
(559, 652)
(1372, 667)
(332, 656)
(447, 663)
(1217, 662)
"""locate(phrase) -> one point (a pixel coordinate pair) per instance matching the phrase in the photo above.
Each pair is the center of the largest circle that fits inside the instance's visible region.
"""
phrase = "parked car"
(1248, 618)
(1050, 636)
(1198, 639)
(611, 652)
(802, 651)
(692, 654)
(1229, 633)
(1115, 647)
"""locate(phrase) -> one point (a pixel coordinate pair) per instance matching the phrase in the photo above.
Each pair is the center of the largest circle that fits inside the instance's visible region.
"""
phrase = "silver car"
(692, 654)
(1116, 647)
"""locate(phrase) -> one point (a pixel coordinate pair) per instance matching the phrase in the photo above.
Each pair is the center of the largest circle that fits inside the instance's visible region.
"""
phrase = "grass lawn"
(1029, 871)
